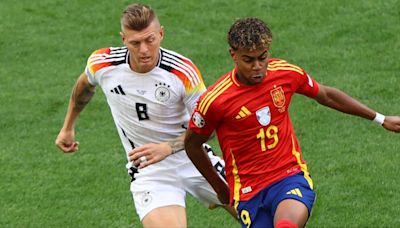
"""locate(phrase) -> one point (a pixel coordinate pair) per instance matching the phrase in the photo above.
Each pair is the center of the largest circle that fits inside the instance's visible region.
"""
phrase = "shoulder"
(106, 57)
(180, 66)
(275, 64)
(223, 83)
(169, 55)
(295, 75)
(216, 93)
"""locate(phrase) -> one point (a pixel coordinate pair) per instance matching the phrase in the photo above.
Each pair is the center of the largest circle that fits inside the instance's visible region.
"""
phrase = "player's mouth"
(145, 59)
(258, 77)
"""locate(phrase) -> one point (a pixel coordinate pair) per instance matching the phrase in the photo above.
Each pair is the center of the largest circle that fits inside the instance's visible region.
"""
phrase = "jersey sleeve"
(193, 89)
(307, 85)
(188, 74)
(205, 117)
(96, 61)
(210, 109)
(301, 82)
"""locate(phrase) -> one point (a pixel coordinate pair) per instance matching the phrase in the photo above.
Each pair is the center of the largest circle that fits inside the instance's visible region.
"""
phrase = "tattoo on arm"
(176, 145)
(81, 96)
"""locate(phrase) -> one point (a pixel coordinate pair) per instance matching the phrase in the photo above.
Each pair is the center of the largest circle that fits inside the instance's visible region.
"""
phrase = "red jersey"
(253, 126)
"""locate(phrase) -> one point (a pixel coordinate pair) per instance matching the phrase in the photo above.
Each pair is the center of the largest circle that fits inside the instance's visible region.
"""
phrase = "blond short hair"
(137, 17)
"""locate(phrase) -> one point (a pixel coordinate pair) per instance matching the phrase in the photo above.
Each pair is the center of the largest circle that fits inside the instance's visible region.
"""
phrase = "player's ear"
(233, 54)
(161, 32)
(122, 36)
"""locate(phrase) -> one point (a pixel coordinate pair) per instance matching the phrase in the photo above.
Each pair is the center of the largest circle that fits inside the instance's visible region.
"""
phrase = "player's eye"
(263, 57)
(135, 43)
(247, 60)
(151, 39)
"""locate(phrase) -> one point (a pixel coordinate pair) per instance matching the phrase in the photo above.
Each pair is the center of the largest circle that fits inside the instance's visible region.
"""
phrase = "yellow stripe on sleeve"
(283, 65)
(206, 97)
(286, 68)
(216, 95)
(210, 97)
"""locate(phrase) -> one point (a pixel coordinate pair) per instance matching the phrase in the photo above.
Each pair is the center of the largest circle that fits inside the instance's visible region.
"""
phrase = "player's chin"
(257, 79)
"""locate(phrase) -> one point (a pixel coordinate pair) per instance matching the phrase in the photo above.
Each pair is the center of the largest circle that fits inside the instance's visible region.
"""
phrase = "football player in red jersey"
(269, 183)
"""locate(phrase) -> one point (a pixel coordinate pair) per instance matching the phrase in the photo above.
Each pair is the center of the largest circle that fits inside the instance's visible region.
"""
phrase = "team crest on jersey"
(278, 97)
(264, 116)
(198, 120)
(162, 92)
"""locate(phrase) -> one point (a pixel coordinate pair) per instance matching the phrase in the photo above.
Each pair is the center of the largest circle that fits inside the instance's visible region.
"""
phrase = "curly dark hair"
(249, 33)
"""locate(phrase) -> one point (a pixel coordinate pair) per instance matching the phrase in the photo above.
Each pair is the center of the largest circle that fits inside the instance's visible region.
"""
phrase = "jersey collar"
(233, 77)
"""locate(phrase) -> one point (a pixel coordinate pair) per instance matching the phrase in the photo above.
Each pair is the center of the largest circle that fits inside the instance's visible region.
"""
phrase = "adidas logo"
(118, 90)
(243, 113)
(295, 191)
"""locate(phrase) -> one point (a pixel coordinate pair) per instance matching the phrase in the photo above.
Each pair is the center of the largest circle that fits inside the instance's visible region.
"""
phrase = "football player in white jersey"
(151, 92)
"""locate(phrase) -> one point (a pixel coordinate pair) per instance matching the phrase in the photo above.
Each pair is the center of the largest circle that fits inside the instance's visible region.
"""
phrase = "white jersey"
(154, 107)
(150, 107)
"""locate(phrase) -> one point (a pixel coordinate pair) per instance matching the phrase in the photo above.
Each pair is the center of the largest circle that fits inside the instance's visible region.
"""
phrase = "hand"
(65, 141)
(152, 153)
(392, 123)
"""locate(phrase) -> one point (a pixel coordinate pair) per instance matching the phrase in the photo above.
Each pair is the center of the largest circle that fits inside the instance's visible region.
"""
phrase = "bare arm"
(194, 150)
(155, 152)
(80, 96)
(338, 100)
